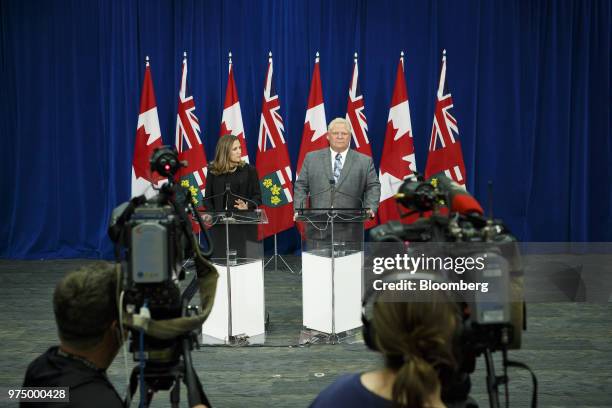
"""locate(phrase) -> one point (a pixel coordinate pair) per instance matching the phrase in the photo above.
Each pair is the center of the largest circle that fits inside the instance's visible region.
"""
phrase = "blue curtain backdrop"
(530, 83)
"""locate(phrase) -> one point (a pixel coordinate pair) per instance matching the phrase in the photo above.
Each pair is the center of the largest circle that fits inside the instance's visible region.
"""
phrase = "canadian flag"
(148, 138)
(231, 121)
(355, 114)
(444, 147)
(398, 160)
(314, 135)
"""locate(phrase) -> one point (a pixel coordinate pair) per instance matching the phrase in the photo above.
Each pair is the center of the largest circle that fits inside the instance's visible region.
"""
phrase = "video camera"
(451, 226)
(154, 239)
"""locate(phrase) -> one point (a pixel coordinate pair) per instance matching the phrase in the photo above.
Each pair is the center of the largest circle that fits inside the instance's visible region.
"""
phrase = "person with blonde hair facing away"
(415, 340)
(231, 183)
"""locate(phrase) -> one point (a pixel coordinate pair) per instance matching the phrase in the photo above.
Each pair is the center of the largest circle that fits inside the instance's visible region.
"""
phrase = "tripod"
(162, 376)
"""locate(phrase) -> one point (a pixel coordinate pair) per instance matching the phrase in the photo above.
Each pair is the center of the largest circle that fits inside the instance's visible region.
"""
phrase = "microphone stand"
(226, 221)
(334, 336)
(332, 187)
(228, 191)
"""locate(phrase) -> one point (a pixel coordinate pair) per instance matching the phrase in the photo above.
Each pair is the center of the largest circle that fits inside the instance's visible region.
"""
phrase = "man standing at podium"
(337, 167)
(338, 176)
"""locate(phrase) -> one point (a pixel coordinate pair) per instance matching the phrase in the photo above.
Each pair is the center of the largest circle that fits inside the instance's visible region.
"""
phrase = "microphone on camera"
(461, 201)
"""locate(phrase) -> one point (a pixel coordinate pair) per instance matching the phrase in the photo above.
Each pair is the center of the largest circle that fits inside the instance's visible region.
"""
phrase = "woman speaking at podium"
(231, 183)
(232, 186)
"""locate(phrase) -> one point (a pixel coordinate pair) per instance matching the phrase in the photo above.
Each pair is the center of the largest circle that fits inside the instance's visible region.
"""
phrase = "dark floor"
(568, 345)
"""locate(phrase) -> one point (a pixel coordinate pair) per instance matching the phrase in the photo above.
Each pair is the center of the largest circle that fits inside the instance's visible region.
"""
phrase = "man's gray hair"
(84, 303)
(342, 121)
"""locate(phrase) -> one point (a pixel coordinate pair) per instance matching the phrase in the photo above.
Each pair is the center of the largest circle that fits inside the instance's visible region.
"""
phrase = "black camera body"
(154, 238)
(156, 252)
(153, 241)
(489, 321)
(455, 228)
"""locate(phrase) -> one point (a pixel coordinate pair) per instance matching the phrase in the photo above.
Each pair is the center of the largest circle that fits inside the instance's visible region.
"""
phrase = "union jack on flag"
(444, 146)
(444, 122)
(355, 114)
(271, 126)
(188, 142)
(273, 164)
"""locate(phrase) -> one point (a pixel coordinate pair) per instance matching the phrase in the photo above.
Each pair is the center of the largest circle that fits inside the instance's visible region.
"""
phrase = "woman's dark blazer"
(243, 183)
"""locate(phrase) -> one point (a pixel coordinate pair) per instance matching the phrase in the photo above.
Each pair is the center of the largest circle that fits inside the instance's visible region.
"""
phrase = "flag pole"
(275, 254)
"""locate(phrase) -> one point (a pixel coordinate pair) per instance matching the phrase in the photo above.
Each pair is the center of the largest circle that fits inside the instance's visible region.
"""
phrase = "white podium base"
(247, 306)
(317, 292)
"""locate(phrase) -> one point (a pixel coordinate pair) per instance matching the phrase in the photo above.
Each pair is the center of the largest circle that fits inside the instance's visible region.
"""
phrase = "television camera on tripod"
(452, 231)
(153, 242)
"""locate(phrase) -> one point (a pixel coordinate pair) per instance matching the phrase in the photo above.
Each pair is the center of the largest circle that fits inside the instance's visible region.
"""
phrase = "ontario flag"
(398, 160)
(148, 138)
(272, 163)
(231, 121)
(444, 146)
(188, 143)
(355, 114)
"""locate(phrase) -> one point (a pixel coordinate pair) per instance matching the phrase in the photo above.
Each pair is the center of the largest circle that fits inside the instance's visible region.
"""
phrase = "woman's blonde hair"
(222, 164)
(416, 339)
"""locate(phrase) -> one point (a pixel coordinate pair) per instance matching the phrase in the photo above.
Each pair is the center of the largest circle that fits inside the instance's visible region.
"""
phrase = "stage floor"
(568, 345)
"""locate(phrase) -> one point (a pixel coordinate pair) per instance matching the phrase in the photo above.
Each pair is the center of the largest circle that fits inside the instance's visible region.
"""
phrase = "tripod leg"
(175, 394)
(491, 380)
(195, 393)
(133, 386)
(134, 383)
(149, 396)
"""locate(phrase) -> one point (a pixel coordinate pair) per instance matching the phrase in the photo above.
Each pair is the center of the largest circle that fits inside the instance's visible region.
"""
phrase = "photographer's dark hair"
(84, 303)
(416, 339)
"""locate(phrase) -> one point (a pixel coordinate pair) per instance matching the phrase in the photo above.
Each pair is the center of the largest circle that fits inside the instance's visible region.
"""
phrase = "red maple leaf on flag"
(314, 134)
(141, 164)
(231, 120)
(148, 138)
(398, 159)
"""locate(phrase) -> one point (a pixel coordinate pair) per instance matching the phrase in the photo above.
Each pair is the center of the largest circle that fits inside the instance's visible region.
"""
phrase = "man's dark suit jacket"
(357, 187)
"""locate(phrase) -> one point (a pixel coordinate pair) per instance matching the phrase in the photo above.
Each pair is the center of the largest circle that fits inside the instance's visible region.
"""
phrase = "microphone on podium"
(227, 193)
(332, 186)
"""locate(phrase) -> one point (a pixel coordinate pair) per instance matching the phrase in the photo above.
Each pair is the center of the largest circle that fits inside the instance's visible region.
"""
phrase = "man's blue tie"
(337, 167)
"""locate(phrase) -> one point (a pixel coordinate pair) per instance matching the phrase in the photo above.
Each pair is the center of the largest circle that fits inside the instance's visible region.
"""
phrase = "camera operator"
(416, 341)
(87, 318)
(85, 307)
